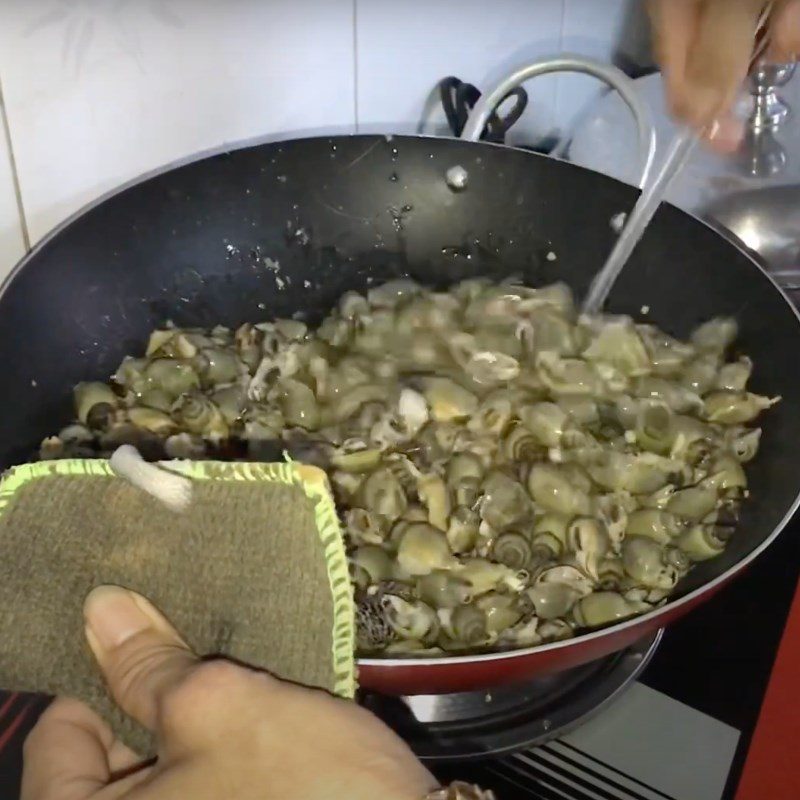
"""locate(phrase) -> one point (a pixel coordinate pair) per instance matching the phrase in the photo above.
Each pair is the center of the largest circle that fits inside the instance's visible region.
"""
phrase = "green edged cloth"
(254, 569)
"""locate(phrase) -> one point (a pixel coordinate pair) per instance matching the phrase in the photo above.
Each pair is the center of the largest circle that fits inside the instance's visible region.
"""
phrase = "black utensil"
(459, 98)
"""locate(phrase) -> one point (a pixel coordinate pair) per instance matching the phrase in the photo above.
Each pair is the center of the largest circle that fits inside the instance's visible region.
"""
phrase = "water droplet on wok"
(457, 178)
(393, 177)
(281, 178)
(617, 222)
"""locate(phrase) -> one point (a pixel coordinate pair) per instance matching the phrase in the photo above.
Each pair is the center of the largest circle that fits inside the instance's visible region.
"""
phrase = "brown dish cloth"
(254, 569)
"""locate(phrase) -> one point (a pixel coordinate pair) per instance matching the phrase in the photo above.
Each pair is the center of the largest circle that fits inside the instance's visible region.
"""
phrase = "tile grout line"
(23, 222)
(355, 64)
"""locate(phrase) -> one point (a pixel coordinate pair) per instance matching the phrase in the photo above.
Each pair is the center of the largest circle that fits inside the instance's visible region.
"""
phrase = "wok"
(341, 213)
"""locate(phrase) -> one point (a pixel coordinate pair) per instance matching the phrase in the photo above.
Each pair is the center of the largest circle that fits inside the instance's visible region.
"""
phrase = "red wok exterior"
(475, 673)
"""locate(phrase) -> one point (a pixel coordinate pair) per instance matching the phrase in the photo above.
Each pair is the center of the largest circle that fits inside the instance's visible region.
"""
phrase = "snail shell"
(373, 631)
(734, 408)
(617, 342)
(468, 625)
(716, 335)
(546, 421)
(745, 445)
(462, 529)
(556, 590)
(197, 414)
(156, 398)
(520, 445)
(362, 527)
(550, 532)
(588, 535)
(448, 401)
(218, 366)
(512, 549)
(610, 573)
(692, 503)
(433, 493)
(523, 634)
(700, 374)
(505, 502)
(483, 576)
(551, 488)
(153, 420)
(501, 611)
(95, 404)
(171, 375)
(733, 377)
(423, 549)
(600, 608)
(230, 400)
(382, 494)
(660, 526)
(443, 590)
(725, 475)
(298, 404)
(492, 417)
(645, 562)
(411, 620)
(700, 542)
(393, 293)
(492, 367)
(374, 560)
(464, 465)
(554, 630)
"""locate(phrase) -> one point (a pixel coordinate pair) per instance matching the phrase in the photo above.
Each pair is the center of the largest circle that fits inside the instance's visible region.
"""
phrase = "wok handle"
(607, 73)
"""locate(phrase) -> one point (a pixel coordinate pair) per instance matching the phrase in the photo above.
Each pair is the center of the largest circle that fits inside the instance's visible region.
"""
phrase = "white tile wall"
(607, 30)
(591, 29)
(405, 48)
(100, 91)
(12, 245)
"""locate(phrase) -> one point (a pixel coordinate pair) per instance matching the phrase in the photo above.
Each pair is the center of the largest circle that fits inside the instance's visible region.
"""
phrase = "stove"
(477, 725)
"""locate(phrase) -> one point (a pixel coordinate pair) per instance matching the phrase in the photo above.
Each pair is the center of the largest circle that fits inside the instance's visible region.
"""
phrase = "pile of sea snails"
(507, 471)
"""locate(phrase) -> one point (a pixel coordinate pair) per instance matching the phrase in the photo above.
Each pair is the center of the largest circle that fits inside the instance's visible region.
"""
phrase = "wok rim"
(644, 620)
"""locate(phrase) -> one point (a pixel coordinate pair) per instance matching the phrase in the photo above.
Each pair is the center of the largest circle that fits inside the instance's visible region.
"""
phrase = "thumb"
(140, 654)
(786, 32)
(720, 55)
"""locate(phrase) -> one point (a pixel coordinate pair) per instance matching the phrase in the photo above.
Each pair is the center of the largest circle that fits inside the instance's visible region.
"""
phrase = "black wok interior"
(334, 214)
